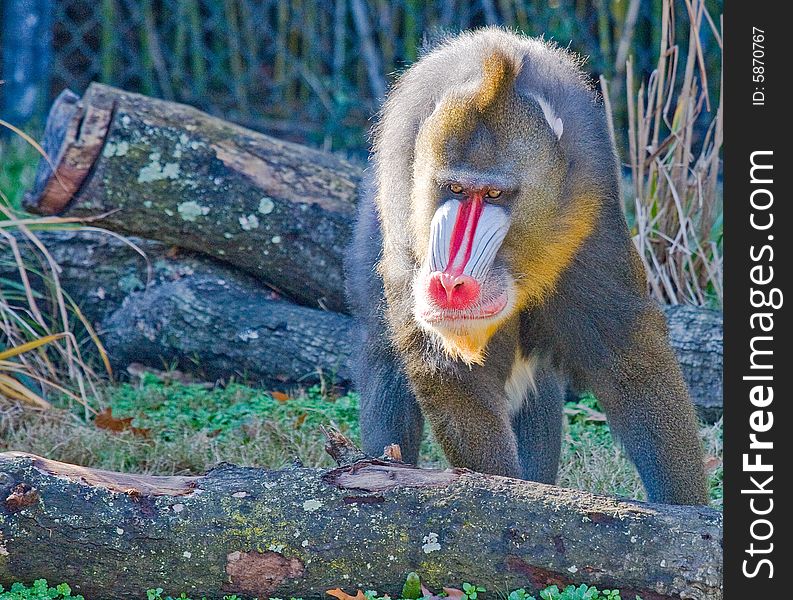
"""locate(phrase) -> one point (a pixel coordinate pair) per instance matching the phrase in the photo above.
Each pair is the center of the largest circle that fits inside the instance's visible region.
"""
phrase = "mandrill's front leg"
(649, 409)
(470, 419)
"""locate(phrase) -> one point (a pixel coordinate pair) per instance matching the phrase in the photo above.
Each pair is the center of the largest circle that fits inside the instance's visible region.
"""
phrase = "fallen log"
(169, 172)
(186, 310)
(299, 532)
(225, 329)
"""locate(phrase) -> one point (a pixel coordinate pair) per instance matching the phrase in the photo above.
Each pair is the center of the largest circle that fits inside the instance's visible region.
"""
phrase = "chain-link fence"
(312, 70)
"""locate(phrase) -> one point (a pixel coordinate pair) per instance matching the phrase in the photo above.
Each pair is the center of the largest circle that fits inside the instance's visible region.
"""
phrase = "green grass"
(38, 590)
(187, 428)
(41, 590)
(18, 161)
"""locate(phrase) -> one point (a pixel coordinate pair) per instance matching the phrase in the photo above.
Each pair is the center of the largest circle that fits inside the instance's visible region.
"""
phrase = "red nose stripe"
(462, 238)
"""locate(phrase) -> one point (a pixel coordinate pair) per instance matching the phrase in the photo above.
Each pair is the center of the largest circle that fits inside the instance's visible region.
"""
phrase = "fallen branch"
(299, 532)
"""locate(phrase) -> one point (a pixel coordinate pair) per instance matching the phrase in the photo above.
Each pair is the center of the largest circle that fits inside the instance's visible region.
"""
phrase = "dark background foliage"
(308, 70)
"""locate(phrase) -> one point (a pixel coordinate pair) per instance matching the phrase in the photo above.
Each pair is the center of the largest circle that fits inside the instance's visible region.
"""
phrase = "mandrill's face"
(465, 289)
(490, 215)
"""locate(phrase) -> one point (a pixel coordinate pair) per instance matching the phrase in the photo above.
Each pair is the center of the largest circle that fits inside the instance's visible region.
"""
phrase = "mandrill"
(492, 266)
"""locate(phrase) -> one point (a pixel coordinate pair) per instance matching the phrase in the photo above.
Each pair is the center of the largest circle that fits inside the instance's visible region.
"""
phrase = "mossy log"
(184, 309)
(166, 171)
(364, 525)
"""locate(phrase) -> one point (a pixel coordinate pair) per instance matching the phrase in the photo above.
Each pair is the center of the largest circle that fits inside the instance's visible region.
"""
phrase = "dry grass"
(59, 435)
(676, 211)
(40, 325)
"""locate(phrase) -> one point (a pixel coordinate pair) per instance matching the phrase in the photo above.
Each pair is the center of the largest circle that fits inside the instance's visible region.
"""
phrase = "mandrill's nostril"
(451, 283)
(456, 292)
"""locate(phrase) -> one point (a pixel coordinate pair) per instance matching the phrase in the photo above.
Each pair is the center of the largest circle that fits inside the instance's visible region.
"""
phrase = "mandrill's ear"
(555, 122)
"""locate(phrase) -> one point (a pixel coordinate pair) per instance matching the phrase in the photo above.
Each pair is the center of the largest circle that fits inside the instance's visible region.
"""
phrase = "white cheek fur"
(490, 232)
(441, 234)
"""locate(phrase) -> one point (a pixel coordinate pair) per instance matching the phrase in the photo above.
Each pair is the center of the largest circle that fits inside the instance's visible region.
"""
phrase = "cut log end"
(166, 171)
(73, 138)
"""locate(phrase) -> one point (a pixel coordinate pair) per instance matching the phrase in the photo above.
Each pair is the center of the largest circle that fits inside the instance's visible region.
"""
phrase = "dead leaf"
(106, 420)
(342, 595)
(393, 452)
(453, 593)
(280, 396)
(300, 420)
(712, 463)
(425, 593)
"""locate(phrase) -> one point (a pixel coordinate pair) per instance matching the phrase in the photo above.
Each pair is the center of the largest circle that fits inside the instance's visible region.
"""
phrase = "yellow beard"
(467, 344)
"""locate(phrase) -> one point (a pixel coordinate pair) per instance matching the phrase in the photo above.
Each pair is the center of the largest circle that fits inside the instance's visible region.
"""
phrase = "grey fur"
(538, 429)
(598, 329)
(390, 413)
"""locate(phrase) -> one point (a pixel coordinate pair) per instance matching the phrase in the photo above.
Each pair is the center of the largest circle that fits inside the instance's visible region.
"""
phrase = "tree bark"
(299, 532)
(191, 311)
(169, 172)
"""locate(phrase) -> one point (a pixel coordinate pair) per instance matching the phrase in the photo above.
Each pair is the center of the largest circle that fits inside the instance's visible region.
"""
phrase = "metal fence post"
(27, 59)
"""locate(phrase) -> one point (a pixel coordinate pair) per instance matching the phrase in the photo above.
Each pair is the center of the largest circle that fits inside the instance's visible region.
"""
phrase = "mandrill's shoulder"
(598, 304)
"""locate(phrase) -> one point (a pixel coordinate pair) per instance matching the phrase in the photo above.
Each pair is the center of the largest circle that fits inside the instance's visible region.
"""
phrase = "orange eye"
(456, 188)
(493, 193)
